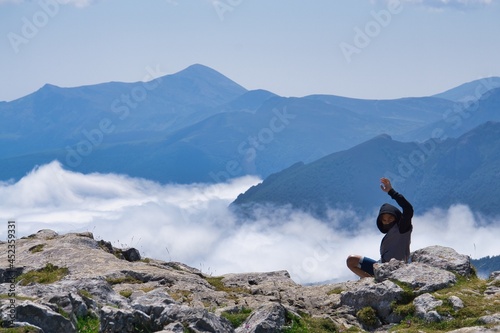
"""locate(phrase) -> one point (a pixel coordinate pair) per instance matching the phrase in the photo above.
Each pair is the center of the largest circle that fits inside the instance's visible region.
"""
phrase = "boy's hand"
(385, 184)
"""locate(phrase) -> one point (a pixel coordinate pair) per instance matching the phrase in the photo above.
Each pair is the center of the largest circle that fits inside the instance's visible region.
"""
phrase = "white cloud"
(192, 224)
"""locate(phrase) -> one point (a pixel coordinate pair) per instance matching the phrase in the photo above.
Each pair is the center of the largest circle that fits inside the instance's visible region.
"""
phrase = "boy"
(396, 226)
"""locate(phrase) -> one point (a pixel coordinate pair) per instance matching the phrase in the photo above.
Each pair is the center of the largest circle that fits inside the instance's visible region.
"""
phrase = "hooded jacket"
(397, 239)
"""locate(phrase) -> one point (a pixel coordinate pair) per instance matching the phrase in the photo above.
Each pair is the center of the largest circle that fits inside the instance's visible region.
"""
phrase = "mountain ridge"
(197, 125)
(463, 167)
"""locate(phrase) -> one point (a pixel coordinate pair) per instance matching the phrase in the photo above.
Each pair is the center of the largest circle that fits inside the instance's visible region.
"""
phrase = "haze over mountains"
(199, 126)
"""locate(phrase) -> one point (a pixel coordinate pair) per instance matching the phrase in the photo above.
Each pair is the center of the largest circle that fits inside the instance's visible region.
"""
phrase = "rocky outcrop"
(115, 290)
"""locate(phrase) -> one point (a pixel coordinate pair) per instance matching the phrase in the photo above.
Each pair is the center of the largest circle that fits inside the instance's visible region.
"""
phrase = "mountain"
(53, 117)
(486, 265)
(459, 118)
(431, 174)
(197, 125)
(470, 90)
(55, 288)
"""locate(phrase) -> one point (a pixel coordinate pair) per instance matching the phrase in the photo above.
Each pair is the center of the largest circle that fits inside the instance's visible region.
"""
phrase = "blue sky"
(357, 48)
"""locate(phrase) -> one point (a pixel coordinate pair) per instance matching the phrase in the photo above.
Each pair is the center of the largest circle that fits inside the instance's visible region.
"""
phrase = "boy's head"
(387, 216)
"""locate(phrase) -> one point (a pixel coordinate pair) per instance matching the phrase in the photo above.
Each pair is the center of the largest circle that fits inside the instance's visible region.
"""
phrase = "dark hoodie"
(396, 242)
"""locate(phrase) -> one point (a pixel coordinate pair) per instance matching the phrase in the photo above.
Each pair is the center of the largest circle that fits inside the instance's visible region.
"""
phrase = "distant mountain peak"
(49, 87)
(198, 72)
(196, 69)
(383, 136)
(201, 71)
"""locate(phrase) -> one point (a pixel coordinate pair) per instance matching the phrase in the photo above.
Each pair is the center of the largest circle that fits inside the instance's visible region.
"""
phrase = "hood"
(387, 209)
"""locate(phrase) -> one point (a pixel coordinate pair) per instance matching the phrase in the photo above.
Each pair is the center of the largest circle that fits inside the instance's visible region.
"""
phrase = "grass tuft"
(308, 324)
(49, 274)
(36, 248)
(88, 324)
(237, 318)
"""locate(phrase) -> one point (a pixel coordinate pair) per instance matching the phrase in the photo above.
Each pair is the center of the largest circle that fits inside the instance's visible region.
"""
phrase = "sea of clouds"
(192, 224)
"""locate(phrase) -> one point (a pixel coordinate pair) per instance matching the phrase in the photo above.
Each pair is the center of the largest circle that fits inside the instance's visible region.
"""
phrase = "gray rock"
(424, 307)
(124, 321)
(173, 328)
(495, 276)
(269, 318)
(152, 303)
(491, 319)
(44, 234)
(493, 288)
(29, 327)
(421, 277)
(477, 329)
(131, 254)
(43, 317)
(197, 319)
(444, 258)
(8, 275)
(456, 302)
(378, 295)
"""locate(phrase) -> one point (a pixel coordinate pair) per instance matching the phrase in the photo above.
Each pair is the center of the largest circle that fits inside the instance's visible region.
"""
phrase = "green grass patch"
(218, 285)
(335, 291)
(367, 316)
(84, 293)
(125, 279)
(19, 298)
(126, 293)
(471, 291)
(237, 318)
(182, 296)
(49, 274)
(308, 324)
(88, 324)
(36, 248)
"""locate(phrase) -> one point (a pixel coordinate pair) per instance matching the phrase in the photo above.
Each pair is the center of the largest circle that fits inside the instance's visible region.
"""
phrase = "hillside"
(54, 287)
(433, 174)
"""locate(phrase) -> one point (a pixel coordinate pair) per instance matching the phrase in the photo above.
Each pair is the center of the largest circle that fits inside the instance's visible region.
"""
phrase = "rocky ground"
(74, 283)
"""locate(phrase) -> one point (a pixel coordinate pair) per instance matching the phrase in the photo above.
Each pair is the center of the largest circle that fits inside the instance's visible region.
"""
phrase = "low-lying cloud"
(192, 224)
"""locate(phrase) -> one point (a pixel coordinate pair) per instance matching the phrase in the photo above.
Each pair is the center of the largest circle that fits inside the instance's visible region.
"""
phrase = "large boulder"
(377, 295)
(269, 318)
(43, 317)
(124, 321)
(422, 278)
(197, 320)
(444, 258)
(425, 306)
